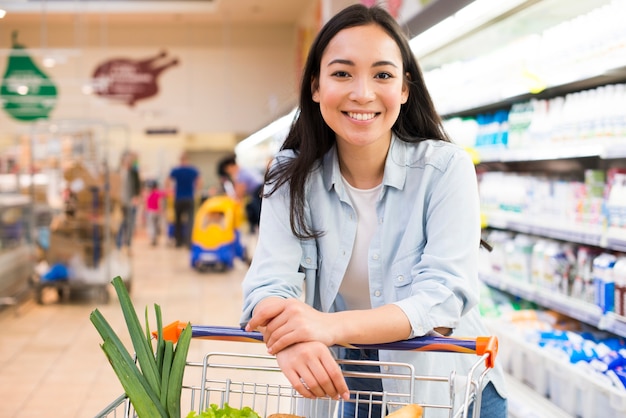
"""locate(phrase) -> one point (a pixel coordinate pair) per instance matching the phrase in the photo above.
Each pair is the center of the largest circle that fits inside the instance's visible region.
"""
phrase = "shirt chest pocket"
(309, 261)
(401, 274)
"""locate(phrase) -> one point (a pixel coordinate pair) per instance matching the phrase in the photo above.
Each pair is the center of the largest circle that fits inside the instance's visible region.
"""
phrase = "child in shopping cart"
(372, 213)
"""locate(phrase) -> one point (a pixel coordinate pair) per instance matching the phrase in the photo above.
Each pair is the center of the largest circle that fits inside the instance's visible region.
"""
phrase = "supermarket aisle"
(50, 360)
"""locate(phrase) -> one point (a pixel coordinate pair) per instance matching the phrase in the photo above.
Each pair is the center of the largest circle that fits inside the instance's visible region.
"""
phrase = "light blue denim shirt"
(423, 257)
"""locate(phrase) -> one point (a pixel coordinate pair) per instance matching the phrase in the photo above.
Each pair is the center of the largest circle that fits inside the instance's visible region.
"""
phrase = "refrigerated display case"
(536, 93)
(16, 249)
(80, 258)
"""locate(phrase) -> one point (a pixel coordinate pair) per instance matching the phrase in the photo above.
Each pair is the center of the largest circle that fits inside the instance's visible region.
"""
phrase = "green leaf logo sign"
(26, 93)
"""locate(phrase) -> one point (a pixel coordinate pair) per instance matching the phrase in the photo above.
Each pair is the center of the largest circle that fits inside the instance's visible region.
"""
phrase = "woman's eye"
(384, 76)
(340, 74)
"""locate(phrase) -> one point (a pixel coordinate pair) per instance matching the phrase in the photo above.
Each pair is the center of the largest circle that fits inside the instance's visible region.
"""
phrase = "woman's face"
(361, 86)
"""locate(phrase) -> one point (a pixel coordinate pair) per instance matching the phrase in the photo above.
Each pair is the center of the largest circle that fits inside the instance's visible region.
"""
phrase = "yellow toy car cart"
(215, 237)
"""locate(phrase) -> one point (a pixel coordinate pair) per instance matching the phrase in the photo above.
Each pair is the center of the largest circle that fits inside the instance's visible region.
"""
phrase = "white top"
(355, 288)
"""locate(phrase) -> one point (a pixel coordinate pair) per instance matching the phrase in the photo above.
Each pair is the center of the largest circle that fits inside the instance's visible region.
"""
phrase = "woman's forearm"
(371, 326)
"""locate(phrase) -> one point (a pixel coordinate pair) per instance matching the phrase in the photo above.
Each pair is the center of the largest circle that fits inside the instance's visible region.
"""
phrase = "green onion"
(145, 355)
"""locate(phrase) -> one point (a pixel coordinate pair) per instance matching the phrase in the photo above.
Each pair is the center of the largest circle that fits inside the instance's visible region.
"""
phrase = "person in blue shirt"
(370, 225)
(187, 182)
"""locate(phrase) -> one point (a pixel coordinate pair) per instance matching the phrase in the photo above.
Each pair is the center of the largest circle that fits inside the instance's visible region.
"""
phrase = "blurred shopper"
(187, 182)
(244, 185)
(130, 198)
(373, 215)
(154, 210)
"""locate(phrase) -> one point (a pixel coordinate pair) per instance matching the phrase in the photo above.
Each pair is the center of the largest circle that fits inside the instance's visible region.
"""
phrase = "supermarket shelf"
(574, 308)
(578, 83)
(524, 402)
(611, 238)
(601, 147)
(554, 228)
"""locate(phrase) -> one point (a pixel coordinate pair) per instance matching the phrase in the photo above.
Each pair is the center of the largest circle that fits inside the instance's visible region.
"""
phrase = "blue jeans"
(183, 220)
(492, 404)
(127, 228)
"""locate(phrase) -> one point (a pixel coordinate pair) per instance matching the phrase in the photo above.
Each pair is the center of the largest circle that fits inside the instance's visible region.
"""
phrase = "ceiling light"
(2, 13)
(462, 22)
(276, 128)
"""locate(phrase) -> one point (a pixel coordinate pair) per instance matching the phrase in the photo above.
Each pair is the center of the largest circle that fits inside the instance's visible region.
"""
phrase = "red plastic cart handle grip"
(478, 345)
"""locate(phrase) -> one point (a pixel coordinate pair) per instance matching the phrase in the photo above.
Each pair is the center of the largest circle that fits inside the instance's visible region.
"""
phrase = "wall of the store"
(230, 80)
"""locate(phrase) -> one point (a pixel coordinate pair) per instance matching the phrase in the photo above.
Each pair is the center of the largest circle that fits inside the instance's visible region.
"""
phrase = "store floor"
(50, 360)
(51, 363)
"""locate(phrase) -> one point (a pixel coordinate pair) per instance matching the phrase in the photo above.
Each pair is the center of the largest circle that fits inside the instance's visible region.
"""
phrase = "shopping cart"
(256, 381)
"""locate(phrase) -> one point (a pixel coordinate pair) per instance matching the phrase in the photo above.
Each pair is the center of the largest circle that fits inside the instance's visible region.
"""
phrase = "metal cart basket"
(256, 381)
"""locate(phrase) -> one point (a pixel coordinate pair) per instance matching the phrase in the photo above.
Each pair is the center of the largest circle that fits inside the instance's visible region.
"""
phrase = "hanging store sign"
(127, 80)
(26, 93)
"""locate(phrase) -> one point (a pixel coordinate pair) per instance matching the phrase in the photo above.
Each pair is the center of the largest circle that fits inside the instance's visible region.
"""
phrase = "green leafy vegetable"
(226, 412)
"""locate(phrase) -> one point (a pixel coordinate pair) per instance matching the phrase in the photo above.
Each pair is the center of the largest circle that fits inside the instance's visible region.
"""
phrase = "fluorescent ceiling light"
(125, 6)
(462, 22)
(2, 13)
(269, 132)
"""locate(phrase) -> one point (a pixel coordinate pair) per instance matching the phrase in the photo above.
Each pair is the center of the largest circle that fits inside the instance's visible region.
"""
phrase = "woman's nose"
(362, 91)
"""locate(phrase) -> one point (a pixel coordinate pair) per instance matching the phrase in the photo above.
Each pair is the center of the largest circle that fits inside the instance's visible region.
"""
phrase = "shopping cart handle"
(479, 345)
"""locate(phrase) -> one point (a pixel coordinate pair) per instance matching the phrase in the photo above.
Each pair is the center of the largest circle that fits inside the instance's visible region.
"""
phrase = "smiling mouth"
(361, 116)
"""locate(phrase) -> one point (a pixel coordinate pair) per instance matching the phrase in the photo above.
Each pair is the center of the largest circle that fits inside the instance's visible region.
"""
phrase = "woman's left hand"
(312, 371)
(284, 322)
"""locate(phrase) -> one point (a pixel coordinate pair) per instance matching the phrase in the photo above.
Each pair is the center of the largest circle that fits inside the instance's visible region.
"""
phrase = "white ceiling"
(259, 11)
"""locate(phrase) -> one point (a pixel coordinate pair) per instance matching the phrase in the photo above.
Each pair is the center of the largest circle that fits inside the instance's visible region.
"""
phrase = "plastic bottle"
(603, 281)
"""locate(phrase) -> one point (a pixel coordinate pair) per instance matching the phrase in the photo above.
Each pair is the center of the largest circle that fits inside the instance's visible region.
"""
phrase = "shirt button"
(377, 293)
(386, 368)
(308, 260)
(401, 278)
(375, 256)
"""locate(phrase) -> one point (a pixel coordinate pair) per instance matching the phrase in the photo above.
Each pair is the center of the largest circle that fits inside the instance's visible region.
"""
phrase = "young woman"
(370, 225)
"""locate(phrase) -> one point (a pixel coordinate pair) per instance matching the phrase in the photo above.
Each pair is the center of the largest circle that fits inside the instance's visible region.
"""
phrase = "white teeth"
(361, 116)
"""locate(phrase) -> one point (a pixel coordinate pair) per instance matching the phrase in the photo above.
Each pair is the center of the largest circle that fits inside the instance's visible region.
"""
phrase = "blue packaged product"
(603, 281)
(614, 359)
(617, 377)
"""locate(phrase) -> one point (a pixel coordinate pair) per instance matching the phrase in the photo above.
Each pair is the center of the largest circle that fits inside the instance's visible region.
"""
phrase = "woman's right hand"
(312, 370)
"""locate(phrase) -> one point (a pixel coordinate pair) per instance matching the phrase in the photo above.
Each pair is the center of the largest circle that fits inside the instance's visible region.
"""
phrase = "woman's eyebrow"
(340, 61)
(383, 63)
(348, 62)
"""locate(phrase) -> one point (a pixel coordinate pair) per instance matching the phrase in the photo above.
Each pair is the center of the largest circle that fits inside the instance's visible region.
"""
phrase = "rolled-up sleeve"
(275, 268)
(443, 281)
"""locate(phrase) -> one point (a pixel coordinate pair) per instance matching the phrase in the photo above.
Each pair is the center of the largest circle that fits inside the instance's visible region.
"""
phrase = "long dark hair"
(310, 137)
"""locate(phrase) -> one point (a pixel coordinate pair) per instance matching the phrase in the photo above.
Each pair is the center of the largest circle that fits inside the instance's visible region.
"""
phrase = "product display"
(551, 161)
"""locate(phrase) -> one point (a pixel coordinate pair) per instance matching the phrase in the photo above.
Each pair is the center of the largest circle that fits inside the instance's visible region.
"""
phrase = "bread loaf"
(408, 411)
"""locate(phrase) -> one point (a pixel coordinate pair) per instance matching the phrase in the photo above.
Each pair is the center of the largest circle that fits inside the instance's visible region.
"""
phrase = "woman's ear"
(405, 88)
(315, 90)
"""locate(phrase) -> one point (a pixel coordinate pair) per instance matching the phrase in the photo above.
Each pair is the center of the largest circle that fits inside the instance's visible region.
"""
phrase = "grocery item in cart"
(155, 387)
(409, 411)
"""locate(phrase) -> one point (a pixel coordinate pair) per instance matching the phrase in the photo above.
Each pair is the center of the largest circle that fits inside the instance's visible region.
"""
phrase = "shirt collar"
(395, 166)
